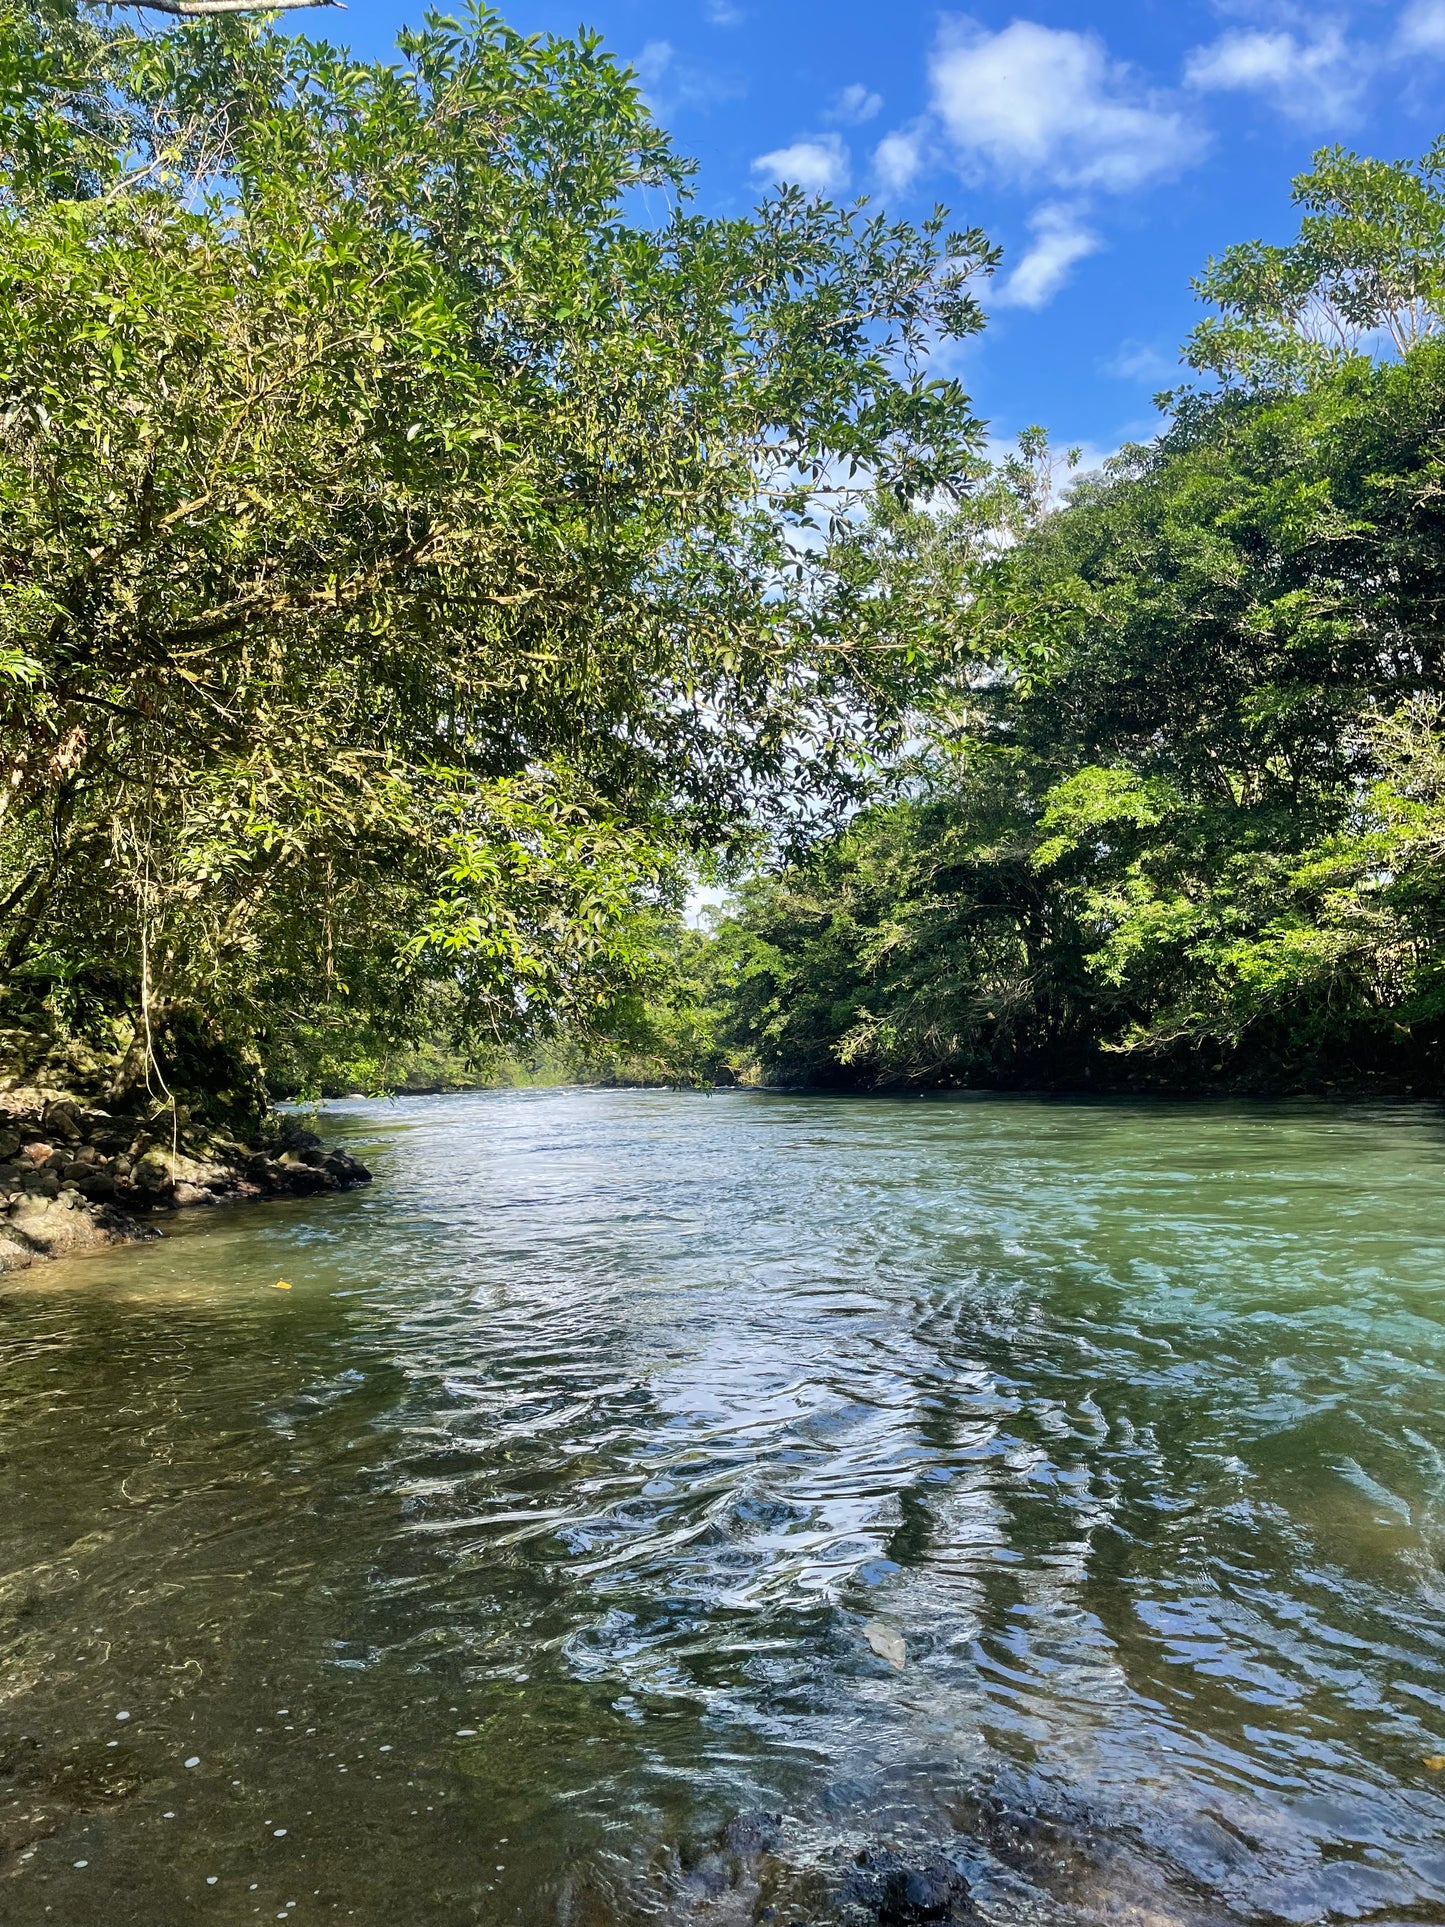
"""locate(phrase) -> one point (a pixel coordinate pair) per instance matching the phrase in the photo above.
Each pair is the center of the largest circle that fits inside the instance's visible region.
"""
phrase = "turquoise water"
(531, 1536)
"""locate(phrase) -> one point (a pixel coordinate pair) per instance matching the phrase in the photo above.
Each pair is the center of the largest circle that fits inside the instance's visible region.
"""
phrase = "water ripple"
(551, 1504)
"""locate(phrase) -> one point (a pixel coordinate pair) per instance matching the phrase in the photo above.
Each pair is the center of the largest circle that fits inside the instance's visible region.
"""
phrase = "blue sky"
(1109, 147)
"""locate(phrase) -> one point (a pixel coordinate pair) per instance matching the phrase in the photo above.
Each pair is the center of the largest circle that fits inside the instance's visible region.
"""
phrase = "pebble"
(887, 1643)
(80, 1863)
(194, 1760)
(211, 1879)
(279, 1834)
(122, 1716)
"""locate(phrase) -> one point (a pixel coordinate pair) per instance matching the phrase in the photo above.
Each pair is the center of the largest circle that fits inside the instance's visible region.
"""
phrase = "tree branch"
(189, 9)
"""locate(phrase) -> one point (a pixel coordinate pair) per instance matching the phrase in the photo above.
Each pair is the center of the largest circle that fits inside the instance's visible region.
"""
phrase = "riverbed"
(569, 1500)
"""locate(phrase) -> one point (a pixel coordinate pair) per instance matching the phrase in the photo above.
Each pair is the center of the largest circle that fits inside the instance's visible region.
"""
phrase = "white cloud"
(1422, 28)
(1060, 239)
(669, 84)
(855, 105)
(898, 159)
(821, 166)
(1137, 361)
(653, 62)
(1046, 104)
(1320, 78)
(722, 13)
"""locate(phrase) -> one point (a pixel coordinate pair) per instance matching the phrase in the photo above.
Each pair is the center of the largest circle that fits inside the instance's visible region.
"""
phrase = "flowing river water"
(531, 1538)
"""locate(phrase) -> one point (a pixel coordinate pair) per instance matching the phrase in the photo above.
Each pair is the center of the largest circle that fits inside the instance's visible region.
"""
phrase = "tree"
(1368, 262)
(1176, 815)
(400, 562)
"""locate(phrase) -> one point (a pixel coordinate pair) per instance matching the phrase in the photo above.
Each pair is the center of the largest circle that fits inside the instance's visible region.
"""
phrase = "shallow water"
(489, 1571)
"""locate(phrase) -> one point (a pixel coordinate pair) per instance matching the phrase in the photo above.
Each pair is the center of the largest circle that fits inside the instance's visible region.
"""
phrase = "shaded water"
(531, 1536)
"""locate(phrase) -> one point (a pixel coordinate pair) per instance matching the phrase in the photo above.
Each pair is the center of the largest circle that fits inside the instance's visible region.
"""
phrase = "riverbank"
(76, 1176)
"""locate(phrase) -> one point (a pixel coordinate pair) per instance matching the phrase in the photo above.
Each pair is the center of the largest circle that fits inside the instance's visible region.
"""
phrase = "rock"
(887, 1643)
(152, 1173)
(303, 1180)
(185, 1193)
(159, 1171)
(61, 1121)
(306, 1169)
(754, 1833)
(62, 1226)
(901, 1892)
(344, 1168)
(730, 1868)
(15, 1253)
(66, 1166)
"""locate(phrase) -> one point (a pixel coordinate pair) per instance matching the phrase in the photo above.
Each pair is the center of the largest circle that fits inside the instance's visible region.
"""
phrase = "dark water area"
(494, 1569)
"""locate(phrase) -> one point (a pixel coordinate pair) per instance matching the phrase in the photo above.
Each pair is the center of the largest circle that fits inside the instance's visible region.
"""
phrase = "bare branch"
(190, 9)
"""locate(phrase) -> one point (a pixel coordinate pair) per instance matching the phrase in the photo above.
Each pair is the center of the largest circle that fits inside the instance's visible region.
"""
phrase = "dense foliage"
(1181, 814)
(425, 542)
(407, 552)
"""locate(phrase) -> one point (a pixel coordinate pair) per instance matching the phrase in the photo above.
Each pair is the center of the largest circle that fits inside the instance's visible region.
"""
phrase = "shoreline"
(77, 1177)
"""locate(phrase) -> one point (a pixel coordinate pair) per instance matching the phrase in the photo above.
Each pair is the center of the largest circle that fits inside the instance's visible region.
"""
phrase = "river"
(536, 1532)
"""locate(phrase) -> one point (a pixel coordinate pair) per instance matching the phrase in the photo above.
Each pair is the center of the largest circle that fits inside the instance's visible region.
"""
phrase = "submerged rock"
(887, 1642)
(901, 1891)
(751, 1873)
(754, 1833)
(724, 1884)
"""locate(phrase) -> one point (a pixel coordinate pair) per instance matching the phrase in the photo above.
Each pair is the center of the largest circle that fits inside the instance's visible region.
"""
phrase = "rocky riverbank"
(76, 1176)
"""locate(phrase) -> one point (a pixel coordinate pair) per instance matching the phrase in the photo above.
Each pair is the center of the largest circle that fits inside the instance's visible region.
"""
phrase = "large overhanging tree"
(401, 492)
